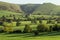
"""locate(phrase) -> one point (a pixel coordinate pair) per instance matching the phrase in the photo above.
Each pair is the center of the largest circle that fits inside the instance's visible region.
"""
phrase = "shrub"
(3, 18)
(27, 29)
(50, 21)
(17, 23)
(1, 23)
(56, 28)
(42, 28)
(9, 20)
(1, 30)
(10, 15)
(40, 21)
(8, 27)
(58, 21)
(34, 21)
(14, 18)
(51, 28)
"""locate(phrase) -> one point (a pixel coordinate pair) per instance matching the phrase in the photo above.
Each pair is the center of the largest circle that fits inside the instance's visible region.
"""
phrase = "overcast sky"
(32, 1)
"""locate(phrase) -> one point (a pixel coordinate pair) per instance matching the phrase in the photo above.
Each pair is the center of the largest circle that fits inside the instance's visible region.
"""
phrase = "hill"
(38, 9)
(29, 8)
(47, 9)
(10, 7)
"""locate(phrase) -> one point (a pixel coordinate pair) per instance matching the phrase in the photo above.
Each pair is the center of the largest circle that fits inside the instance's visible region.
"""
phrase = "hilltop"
(38, 9)
(10, 7)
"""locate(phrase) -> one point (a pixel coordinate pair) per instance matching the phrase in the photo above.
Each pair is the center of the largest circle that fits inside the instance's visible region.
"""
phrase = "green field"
(29, 36)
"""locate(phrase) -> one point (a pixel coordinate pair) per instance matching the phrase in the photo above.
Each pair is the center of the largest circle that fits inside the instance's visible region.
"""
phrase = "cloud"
(32, 1)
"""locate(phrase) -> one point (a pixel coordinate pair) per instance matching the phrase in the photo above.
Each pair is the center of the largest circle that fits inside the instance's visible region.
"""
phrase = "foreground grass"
(29, 36)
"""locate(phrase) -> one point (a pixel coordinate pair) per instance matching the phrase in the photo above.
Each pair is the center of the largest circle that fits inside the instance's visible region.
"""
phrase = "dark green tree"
(18, 22)
(42, 28)
(3, 18)
(27, 29)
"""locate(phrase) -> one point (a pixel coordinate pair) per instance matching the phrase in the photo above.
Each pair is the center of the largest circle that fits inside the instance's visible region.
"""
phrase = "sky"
(57, 2)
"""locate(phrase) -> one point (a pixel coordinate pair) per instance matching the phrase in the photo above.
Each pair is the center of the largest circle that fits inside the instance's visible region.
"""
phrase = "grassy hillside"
(10, 7)
(29, 8)
(47, 9)
(8, 13)
(44, 9)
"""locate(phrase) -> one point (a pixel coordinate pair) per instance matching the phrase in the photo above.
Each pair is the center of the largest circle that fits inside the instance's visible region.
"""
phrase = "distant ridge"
(44, 9)
(10, 7)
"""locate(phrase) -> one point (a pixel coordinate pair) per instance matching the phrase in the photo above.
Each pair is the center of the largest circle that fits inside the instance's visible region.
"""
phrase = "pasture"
(29, 36)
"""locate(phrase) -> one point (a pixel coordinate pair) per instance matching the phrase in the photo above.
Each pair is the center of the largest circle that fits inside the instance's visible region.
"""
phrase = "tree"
(26, 15)
(56, 28)
(3, 18)
(58, 21)
(18, 19)
(8, 27)
(34, 21)
(27, 29)
(9, 20)
(1, 23)
(10, 15)
(40, 21)
(50, 28)
(42, 28)
(49, 21)
(18, 22)
(1, 30)
(14, 18)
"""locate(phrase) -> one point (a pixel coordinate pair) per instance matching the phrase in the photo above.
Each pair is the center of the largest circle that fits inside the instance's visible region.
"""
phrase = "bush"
(1, 23)
(40, 21)
(51, 28)
(8, 27)
(58, 21)
(3, 18)
(1, 30)
(27, 29)
(17, 23)
(14, 18)
(34, 21)
(50, 21)
(9, 20)
(42, 28)
(56, 28)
